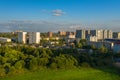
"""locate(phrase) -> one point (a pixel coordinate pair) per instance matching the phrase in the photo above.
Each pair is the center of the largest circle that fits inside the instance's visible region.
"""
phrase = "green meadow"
(71, 74)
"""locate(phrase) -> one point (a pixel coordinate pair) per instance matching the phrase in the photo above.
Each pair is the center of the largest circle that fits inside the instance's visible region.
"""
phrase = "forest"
(18, 59)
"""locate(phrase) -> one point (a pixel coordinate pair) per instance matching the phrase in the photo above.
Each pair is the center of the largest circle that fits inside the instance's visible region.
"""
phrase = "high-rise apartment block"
(80, 34)
(50, 34)
(34, 37)
(87, 33)
(94, 34)
(22, 37)
(116, 35)
(97, 33)
(109, 34)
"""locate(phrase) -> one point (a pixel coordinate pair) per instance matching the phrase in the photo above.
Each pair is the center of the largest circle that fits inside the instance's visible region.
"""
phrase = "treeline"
(15, 60)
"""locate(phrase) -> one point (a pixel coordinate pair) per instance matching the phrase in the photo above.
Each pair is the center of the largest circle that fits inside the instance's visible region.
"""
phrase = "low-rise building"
(2, 39)
(92, 38)
(108, 45)
(70, 38)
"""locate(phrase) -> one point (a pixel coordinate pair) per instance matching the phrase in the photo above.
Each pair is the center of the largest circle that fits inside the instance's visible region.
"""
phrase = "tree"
(2, 71)
(64, 61)
(79, 45)
(103, 49)
(33, 64)
(19, 64)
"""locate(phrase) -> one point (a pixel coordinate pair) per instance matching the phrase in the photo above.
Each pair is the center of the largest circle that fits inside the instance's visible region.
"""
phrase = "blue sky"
(67, 11)
(82, 10)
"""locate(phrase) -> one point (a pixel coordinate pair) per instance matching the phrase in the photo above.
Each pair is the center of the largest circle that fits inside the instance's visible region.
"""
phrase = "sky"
(65, 13)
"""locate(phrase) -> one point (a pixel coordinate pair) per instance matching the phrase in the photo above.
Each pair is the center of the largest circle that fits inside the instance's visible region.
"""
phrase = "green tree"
(103, 49)
(19, 64)
(65, 61)
(79, 45)
(33, 64)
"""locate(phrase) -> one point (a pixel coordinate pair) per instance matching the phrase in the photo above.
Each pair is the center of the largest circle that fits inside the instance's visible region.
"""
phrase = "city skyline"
(48, 15)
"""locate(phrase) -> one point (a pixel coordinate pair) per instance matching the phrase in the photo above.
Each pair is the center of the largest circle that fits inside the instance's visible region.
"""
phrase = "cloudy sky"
(53, 15)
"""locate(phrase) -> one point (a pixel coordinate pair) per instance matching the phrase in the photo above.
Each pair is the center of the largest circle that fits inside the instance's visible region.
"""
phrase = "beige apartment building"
(22, 37)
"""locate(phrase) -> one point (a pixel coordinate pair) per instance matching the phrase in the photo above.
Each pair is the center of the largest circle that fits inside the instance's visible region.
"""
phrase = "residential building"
(50, 34)
(80, 34)
(22, 37)
(62, 33)
(107, 34)
(2, 39)
(108, 45)
(92, 38)
(97, 33)
(34, 37)
(87, 33)
(110, 34)
(70, 38)
(116, 35)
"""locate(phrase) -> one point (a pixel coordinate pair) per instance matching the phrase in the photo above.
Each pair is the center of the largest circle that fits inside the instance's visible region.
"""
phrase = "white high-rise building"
(97, 33)
(110, 34)
(22, 37)
(105, 34)
(34, 37)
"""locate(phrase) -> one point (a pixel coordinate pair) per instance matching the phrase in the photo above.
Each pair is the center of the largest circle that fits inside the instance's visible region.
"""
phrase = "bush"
(53, 65)
(2, 72)
(85, 64)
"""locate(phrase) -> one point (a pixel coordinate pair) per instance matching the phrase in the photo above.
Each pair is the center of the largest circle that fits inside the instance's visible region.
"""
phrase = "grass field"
(73, 74)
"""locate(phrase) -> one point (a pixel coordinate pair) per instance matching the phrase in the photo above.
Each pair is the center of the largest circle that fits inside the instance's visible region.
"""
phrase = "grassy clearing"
(73, 74)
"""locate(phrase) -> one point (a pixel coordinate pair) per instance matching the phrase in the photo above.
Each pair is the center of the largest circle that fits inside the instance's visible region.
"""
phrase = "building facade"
(50, 34)
(80, 34)
(97, 33)
(34, 37)
(22, 37)
(107, 34)
(62, 33)
(92, 38)
(110, 34)
(2, 39)
(116, 35)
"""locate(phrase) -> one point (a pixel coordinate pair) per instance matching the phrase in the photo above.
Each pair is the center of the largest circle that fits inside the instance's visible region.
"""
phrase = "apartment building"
(50, 34)
(22, 37)
(34, 37)
(62, 33)
(107, 34)
(2, 39)
(80, 34)
(116, 35)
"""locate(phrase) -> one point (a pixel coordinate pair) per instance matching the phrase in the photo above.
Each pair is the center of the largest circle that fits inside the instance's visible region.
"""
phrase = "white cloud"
(58, 12)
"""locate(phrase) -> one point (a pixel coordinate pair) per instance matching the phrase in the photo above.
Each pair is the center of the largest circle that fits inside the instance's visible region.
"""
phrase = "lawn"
(73, 74)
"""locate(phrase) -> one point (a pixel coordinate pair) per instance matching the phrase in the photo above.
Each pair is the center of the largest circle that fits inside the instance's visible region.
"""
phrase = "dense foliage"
(17, 59)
